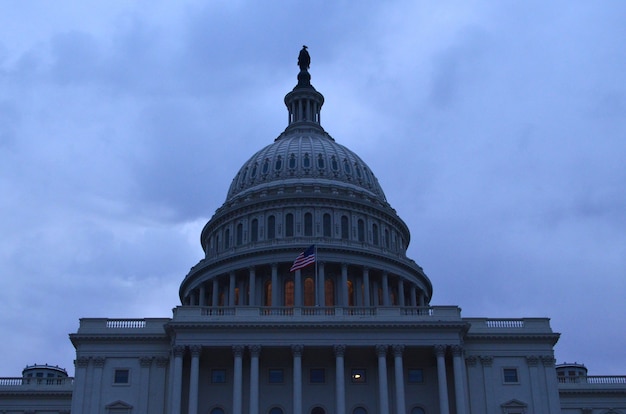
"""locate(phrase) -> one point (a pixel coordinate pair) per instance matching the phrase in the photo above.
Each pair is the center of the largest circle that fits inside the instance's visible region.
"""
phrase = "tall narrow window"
(327, 225)
(361, 230)
(375, 234)
(308, 224)
(309, 292)
(271, 227)
(239, 234)
(329, 293)
(386, 238)
(350, 288)
(254, 231)
(289, 225)
(217, 243)
(267, 297)
(345, 229)
(289, 293)
(226, 239)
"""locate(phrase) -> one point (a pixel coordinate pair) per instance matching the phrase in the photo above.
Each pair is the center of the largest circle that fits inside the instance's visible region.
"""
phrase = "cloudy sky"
(497, 129)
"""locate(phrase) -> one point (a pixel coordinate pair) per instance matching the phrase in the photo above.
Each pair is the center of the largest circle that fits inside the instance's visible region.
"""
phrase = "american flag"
(304, 259)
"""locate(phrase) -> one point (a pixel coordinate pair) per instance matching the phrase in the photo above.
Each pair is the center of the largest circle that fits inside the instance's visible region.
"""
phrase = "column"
(319, 290)
(413, 298)
(194, 373)
(275, 298)
(252, 285)
(548, 362)
(216, 291)
(231, 289)
(401, 292)
(177, 378)
(202, 295)
(533, 362)
(298, 289)
(297, 378)
(344, 284)
(383, 396)
(440, 351)
(158, 386)
(144, 385)
(192, 298)
(487, 362)
(385, 283)
(366, 287)
(255, 350)
(80, 378)
(98, 368)
(422, 299)
(340, 382)
(399, 378)
(459, 379)
(237, 379)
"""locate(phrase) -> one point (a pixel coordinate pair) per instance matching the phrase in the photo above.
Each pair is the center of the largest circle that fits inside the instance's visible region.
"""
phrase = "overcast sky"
(497, 130)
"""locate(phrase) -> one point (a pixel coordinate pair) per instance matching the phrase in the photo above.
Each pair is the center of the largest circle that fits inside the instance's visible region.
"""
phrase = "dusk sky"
(496, 129)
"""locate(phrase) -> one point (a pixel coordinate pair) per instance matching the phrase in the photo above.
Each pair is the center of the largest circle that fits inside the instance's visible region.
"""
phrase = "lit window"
(122, 376)
(317, 376)
(510, 375)
(276, 376)
(416, 376)
(359, 375)
(218, 376)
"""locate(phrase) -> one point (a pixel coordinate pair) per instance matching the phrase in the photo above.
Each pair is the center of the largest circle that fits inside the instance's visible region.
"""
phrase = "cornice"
(37, 393)
(551, 338)
(618, 391)
(98, 337)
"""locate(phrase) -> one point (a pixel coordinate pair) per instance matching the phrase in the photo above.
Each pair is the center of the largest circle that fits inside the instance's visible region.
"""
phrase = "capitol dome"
(301, 190)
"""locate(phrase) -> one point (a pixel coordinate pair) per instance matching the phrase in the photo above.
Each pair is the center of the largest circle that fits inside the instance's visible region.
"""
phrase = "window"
(226, 239)
(375, 234)
(317, 376)
(358, 375)
(254, 231)
(276, 410)
(309, 292)
(275, 376)
(417, 410)
(326, 225)
(345, 231)
(415, 376)
(218, 376)
(361, 230)
(271, 227)
(217, 410)
(318, 410)
(239, 234)
(121, 376)
(510, 375)
(359, 410)
(308, 224)
(289, 225)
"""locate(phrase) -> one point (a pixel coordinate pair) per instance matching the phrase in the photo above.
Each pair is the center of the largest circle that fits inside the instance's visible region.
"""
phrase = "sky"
(496, 129)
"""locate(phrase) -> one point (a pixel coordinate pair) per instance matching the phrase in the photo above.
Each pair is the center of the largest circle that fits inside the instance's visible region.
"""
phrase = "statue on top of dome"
(304, 59)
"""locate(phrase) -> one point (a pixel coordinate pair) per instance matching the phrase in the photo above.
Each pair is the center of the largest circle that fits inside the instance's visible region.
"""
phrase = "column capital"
(548, 360)
(255, 350)
(471, 360)
(251, 269)
(457, 350)
(196, 350)
(145, 361)
(162, 361)
(297, 350)
(344, 265)
(178, 350)
(238, 350)
(532, 360)
(339, 350)
(365, 268)
(397, 350)
(98, 361)
(81, 362)
(440, 350)
(381, 350)
(274, 266)
(486, 360)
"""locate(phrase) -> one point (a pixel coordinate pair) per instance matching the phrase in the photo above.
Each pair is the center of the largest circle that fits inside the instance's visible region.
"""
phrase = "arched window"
(417, 410)
(318, 410)
(375, 234)
(226, 239)
(289, 225)
(386, 238)
(306, 161)
(254, 231)
(309, 292)
(329, 293)
(278, 165)
(359, 410)
(267, 294)
(308, 224)
(217, 410)
(327, 225)
(289, 293)
(271, 227)
(345, 229)
(276, 410)
(320, 162)
(217, 243)
(239, 234)
(361, 230)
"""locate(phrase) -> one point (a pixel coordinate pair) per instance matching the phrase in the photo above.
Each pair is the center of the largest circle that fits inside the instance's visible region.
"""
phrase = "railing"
(144, 326)
(594, 379)
(509, 326)
(45, 382)
(504, 323)
(126, 323)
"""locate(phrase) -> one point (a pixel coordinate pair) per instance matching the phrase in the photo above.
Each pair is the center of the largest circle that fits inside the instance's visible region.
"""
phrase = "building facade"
(351, 333)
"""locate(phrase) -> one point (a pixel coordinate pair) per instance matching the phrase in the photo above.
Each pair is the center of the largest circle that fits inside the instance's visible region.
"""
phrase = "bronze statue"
(304, 60)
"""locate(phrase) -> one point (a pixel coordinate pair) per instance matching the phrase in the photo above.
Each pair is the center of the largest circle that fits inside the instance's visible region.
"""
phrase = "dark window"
(266, 166)
(308, 224)
(359, 375)
(361, 230)
(317, 375)
(276, 410)
(418, 410)
(253, 173)
(416, 375)
(243, 177)
(386, 238)
(359, 410)
(278, 165)
(327, 225)
(292, 162)
(254, 231)
(306, 162)
(239, 234)
(318, 410)
(345, 230)
(375, 234)
(122, 376)
(510, 375)
(217, 411)
(218, 376)
(271, 227)
(226, 239)
(276, 376)
(320, 162)
(358, 171)
(346, 167)
(334, 164)
(39, 375)
(289, 225)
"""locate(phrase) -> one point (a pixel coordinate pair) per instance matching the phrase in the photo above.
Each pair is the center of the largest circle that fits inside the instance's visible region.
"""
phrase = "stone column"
(548, 362)
(340, 382)
(215, 299)
(144, 385)
(383, 393)
(237, 379)
(80, 378)
(275, 298)
(422, 299)
(231, 288)
(444, 406)
(459, 379)
(252, 286)
(297, 378)
(401, 292)
(399, 378)
(98, 369)
(533, 363)
(344, 284)
(385, 283)
(487, 362)
(177, 378)
(413, 298)
(202, 301)
(319, 289)
(194, 374)
(158, 386)
(255, 350)
(366, 287)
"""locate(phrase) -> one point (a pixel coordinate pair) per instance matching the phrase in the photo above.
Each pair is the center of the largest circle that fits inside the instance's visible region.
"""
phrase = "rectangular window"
(510, 375)
(218, 376)
(122, 376)
(358, 375)
(276, 376)
(317, 376)
(415, 376)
